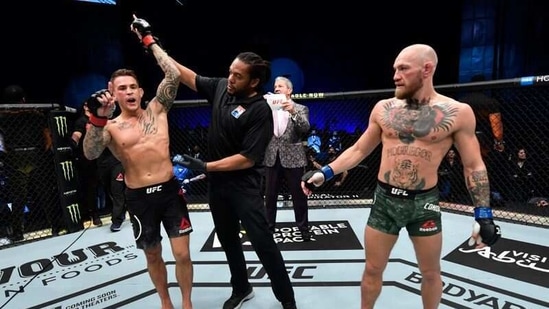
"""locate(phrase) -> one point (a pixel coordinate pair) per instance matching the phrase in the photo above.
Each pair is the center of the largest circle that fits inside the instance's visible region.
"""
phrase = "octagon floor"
(96, 268)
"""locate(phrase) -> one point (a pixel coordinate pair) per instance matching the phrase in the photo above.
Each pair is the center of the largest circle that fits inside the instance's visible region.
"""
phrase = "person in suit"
(285, 157)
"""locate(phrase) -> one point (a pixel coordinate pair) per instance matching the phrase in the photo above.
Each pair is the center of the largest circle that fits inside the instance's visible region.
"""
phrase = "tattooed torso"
(139, 138)
(142, 145)
(415, 137)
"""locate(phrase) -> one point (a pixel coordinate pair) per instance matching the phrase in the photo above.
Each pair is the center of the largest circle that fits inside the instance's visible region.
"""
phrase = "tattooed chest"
(419, 122)
(148, 124)
(134, 132)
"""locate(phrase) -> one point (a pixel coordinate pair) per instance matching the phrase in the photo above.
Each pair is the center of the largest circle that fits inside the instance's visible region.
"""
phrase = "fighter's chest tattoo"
(147, 122)
(124, 125)
(413, 120)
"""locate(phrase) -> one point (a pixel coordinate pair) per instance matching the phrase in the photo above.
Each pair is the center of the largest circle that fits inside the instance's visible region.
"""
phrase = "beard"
(240, 92)
(410, 89)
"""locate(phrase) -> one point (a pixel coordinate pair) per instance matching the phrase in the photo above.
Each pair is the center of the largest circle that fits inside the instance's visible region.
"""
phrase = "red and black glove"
(94, 105)
(144, 32)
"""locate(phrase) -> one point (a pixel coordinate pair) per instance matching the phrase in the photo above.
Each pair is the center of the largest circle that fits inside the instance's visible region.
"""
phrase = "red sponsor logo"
(428, 226)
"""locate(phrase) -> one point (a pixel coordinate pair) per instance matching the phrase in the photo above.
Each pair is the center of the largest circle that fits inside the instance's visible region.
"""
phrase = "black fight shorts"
(160, 203)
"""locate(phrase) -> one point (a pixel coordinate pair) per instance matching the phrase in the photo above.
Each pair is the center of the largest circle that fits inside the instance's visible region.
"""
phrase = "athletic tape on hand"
(475, 239)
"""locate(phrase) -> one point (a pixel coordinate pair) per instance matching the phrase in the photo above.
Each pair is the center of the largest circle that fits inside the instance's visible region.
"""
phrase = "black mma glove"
(94, 105)
(484, 229)
(190, 162)
(144, 29)
(325, 173)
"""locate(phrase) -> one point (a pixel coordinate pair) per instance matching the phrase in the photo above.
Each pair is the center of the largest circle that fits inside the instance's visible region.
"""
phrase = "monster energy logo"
(61, 124)
(74, 212)
(68, 171)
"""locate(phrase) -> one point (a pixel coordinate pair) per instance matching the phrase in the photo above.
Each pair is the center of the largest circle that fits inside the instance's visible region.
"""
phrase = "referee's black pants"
(229, 210)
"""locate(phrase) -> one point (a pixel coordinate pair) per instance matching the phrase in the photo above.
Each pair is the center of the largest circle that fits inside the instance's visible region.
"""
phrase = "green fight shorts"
(395, 208)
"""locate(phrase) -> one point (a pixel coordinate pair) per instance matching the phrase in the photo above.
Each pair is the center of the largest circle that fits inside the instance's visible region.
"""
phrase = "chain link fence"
(39, 185)
(519, 187)
(35, 169)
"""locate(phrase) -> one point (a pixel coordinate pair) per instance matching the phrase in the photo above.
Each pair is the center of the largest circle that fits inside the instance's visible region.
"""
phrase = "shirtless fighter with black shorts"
(139, 139)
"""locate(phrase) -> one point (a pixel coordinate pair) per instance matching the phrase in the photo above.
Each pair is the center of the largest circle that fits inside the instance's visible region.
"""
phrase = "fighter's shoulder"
(113, 122)
(453, 104)
(388, 103)
(461, 112)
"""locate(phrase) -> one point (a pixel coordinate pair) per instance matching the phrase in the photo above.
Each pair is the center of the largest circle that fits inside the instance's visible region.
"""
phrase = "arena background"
(64, 50)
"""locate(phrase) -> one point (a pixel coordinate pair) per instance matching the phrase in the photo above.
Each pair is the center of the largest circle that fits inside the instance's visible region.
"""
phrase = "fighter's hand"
(311, 180)
(101, 104)
(143, 30)
(141, 27)
(485, 231)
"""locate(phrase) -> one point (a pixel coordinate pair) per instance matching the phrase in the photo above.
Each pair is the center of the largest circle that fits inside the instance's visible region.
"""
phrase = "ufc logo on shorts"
(400, 192)
(151, 190)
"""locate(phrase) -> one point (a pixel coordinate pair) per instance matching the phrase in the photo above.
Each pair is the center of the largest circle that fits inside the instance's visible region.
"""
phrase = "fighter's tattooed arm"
(479, 188)
(95, 141)
(167, 89)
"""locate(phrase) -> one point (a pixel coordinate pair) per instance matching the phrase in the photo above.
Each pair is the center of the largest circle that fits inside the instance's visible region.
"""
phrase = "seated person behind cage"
(335, 141)
(314, 142)
(338, 179)
(522, 174)
(451, 185)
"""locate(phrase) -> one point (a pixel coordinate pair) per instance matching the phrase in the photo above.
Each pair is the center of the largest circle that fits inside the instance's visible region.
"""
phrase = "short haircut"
(259, 68)
(124, 72)
(286, 80)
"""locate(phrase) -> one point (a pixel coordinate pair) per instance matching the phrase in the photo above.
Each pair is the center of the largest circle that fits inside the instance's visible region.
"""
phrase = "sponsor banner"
(326, 235)
(510, 258)
(65, 167)
(117, 278)
(106, 270)
(81, 277)
(459, 292)
(337, 196)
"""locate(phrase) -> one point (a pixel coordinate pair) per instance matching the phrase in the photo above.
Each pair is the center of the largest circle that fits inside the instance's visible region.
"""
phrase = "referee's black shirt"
(238, 126)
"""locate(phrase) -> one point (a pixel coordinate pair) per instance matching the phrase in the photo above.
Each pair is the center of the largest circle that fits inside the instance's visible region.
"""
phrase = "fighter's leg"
(428, 251)
(378, 246)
